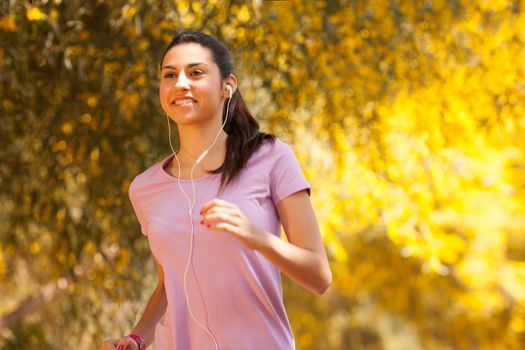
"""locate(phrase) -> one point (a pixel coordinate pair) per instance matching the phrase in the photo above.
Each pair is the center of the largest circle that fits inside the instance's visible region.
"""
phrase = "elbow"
(325, 287)
(325, 283)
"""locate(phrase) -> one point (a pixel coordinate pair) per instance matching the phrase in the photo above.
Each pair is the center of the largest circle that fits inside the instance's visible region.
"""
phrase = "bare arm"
(154, 310)
(145, 327)
(303, 258)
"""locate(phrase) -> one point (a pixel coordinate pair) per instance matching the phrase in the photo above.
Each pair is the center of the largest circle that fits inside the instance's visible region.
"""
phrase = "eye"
(169, 75)
(197, 72)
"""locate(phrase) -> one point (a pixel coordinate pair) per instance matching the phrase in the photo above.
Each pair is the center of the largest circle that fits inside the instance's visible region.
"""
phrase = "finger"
(216, 202)
(221, 208)
(130, 343)
(225, 227)
(123, 344)
(221, 218)
(220, 214)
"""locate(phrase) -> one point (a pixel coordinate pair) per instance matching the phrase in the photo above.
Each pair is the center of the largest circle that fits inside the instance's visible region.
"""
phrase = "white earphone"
(191, 205)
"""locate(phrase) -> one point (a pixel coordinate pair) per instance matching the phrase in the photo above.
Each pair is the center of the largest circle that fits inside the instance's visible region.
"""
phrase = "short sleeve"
(136, 207)
(285, 176)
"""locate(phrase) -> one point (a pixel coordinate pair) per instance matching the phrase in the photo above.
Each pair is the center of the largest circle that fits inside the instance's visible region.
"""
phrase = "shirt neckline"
(174, 178)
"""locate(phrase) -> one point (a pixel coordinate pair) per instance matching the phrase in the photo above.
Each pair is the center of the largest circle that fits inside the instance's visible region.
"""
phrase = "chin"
(187, 120)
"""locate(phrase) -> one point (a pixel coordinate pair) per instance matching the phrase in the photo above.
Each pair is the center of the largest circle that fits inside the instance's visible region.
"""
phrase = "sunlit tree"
(408, 118)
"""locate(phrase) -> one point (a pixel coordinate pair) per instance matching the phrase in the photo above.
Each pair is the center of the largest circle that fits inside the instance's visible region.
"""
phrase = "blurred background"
(408, 118)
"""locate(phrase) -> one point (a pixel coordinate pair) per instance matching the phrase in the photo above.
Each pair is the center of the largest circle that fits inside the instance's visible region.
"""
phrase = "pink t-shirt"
(233, 290)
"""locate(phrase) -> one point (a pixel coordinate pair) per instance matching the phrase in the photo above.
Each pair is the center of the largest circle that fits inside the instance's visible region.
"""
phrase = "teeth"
(180, 102)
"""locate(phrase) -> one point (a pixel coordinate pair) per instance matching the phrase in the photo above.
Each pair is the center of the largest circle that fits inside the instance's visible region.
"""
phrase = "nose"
(182, 81)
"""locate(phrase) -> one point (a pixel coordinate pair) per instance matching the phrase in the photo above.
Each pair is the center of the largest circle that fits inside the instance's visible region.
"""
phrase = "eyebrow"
(189, 65)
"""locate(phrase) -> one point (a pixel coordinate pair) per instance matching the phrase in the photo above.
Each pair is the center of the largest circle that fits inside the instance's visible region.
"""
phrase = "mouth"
(183, 102)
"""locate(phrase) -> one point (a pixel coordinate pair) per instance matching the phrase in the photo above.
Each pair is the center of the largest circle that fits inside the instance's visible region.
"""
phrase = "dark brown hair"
(244, 137)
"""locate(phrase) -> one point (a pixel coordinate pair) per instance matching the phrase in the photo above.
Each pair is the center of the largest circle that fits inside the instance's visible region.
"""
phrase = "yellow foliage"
(243, 15)
(408, 119)
(35, 14)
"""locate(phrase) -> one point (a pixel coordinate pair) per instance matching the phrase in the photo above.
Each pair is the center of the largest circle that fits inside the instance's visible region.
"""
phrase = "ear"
(232, 82)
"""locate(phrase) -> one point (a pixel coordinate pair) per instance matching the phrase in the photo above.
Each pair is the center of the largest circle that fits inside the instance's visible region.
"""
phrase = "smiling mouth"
(183, 105)
(183, 102)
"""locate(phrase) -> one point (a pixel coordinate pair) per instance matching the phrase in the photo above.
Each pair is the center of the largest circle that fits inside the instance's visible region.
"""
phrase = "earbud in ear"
(229, 89)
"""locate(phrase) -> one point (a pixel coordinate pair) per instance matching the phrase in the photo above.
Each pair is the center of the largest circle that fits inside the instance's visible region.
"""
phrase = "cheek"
(213, 96)
(164, 92)
(164, 89)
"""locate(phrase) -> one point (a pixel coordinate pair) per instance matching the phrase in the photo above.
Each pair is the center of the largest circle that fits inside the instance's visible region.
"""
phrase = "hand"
(224, 216)
(124, 343)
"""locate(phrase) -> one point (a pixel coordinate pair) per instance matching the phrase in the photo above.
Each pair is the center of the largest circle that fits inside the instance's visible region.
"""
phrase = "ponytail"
(244, 138)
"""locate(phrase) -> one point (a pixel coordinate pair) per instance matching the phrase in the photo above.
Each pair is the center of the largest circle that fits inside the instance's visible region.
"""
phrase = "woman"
(212, 213)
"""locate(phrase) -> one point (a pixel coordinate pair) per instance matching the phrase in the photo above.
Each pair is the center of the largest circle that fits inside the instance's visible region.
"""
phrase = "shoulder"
(273, 155)
(273, 149)
(280, 154)
(151, 175)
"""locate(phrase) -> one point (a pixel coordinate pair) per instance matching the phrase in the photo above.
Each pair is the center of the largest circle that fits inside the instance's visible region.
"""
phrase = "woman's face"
(190, 84)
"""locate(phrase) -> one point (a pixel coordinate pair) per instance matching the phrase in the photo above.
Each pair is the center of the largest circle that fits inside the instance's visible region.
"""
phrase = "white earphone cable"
(191, 205)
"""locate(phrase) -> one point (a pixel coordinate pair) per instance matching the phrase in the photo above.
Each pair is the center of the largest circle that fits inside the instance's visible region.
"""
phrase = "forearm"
(305, 267)
(153, 312)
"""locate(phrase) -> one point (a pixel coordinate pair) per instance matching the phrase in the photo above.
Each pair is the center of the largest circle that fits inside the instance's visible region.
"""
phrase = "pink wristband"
(141, 343)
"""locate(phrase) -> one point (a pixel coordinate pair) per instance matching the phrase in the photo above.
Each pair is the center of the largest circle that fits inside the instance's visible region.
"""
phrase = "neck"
(195, 139)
